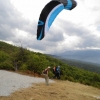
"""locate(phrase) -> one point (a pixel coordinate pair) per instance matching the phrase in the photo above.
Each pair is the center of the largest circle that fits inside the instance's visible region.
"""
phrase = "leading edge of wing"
(47, 16)
(52, 15)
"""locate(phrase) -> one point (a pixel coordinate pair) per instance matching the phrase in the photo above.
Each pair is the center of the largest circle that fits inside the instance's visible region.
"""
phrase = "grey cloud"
(11, 19)
(5, 32)
(73, 29)
(97, 23)
(8, 15)
(31, 28)
(42, 45)
(89, 40)
(92, 41)
(55, 35)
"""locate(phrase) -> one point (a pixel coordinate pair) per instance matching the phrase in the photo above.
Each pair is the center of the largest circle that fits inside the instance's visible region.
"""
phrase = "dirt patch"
(60, 90)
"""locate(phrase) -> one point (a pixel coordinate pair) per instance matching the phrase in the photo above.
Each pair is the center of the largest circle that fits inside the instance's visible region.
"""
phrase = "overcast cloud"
(71, 30)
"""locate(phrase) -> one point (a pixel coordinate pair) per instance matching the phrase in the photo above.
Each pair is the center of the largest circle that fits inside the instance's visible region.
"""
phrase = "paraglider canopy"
(50, 12)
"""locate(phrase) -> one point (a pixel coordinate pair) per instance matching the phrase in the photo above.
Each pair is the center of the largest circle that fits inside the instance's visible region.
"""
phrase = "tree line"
(20, 59)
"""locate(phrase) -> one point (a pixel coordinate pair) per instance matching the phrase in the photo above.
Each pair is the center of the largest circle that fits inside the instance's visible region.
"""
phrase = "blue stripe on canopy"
(40, 36)
(69, 5)
(54, 13)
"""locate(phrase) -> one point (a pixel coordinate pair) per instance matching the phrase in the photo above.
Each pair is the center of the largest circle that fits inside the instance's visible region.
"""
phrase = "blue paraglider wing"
(49, 13)
(47, 16)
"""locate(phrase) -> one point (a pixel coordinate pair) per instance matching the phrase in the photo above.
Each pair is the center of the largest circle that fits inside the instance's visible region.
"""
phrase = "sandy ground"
(60, 90)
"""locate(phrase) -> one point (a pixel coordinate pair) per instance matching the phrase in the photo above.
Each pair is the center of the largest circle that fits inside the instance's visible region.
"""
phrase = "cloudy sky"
(71, 30)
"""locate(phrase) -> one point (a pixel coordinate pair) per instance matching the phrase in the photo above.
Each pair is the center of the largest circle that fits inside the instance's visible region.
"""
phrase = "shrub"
(23, 67)
(6, 66)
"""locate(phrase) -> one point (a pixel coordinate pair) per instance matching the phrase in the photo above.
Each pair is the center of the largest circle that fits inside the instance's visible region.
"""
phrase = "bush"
(6, 66)
(71, 79)
(23, 67)
(3, 56)
(63, 77)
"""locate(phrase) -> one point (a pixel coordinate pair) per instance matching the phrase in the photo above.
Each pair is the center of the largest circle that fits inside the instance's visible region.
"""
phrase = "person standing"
(45, 74)
(58, 72)
(54, 72)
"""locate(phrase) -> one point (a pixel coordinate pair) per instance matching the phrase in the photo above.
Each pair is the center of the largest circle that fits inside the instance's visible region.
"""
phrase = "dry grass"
(60, 90)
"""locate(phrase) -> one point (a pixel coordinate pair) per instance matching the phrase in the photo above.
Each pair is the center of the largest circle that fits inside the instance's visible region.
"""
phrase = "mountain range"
(92, 56)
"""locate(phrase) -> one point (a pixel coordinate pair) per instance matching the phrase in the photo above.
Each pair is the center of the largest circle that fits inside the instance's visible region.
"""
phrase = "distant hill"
(82, 55)
(80, 64)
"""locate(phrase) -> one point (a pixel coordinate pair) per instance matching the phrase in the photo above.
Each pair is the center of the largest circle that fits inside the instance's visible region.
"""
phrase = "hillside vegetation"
(85, 65)
(21, 59)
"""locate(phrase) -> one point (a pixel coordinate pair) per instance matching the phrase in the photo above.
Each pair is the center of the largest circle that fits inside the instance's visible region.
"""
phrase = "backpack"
(57, 70)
